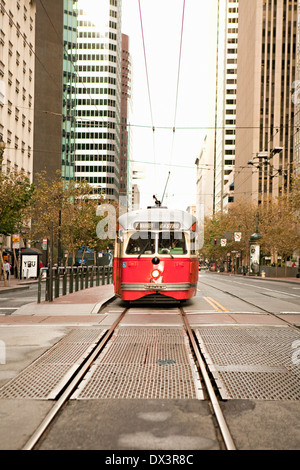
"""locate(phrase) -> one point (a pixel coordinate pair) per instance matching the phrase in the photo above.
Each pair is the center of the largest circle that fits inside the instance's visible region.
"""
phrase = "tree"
(279, 228)
(76, 204)
(239, 218)
(294, 197)
(16, 196)
(279, 225)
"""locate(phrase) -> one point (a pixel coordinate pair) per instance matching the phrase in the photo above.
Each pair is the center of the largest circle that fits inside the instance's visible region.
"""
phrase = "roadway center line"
(216, 304)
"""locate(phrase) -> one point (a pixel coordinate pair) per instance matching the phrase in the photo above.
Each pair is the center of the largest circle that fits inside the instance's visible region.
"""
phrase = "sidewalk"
(83, 305)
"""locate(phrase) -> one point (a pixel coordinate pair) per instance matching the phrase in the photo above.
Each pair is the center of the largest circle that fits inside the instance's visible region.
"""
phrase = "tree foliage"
(70, 208)
(277, 220)
(16, 195)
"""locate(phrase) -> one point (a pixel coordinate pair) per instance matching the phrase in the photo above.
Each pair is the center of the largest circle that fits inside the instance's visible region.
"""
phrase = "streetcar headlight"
(156, 273)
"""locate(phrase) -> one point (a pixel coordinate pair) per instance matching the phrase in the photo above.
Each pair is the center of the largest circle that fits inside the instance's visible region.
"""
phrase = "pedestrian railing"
(63, 281)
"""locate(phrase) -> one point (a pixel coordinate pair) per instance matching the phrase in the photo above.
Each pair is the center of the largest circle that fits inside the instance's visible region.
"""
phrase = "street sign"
(223, 242)
(237, 236)
(16, 241)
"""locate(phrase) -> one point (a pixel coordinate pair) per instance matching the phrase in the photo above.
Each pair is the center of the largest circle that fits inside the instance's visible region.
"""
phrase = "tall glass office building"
(98, 94)
(69, 89)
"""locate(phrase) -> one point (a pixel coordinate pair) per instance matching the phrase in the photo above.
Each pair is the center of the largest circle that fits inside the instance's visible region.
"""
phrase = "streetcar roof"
(147, 218)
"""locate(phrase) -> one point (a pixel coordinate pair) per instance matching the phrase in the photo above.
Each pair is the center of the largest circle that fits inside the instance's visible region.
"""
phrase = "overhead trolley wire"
(179, 66)
(148, 86)
(146, 66)
(177, 92)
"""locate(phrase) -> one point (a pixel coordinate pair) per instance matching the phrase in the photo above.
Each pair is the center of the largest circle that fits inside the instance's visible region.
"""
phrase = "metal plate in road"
(251, 362)
(147, 363)
(45, 377)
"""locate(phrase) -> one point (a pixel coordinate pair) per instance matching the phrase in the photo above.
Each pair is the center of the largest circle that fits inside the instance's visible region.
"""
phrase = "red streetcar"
(155, 255)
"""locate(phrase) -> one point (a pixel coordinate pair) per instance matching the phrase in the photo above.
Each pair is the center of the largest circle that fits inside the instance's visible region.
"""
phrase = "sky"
(156, 153)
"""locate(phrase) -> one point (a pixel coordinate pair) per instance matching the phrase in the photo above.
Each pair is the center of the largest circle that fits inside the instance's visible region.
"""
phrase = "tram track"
(223, 432)
(226, 435)
(66, 393)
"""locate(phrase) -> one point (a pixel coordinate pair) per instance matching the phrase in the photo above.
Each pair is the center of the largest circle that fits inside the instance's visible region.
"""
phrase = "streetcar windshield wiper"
(144, 249)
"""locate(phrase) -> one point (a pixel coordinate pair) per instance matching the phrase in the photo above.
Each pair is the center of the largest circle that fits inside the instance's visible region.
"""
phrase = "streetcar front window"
(141, 243)
(173, 243)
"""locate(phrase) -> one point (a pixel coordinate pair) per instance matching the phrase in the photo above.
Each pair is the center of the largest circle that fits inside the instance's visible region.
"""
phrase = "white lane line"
(265, 288)
(9, 308)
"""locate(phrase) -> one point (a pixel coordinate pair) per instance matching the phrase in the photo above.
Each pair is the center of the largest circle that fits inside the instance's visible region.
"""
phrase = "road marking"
(217, 306)
(9, 308)
(265, 288)
(288, 313)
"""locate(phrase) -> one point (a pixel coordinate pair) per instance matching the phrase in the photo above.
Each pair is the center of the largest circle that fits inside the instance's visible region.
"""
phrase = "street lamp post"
(2, 148)
(255, 251)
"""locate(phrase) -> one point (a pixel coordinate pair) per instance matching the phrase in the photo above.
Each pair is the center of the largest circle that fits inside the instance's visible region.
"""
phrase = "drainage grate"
(44, 378)
(252, 362)
(143, 363)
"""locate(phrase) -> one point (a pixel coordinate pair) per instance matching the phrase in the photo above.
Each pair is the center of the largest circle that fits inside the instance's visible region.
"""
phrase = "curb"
(11, 289)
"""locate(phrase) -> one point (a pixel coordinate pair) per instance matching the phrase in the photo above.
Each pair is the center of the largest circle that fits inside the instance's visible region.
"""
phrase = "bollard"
(56, 284)
(71, 281)
(92, 277)
(76, 280)
(86, 277)
(65, 282)
(39, 288)
(81, 279)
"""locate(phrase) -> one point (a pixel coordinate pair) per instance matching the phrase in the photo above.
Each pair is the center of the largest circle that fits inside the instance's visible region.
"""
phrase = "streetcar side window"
(141, 243)
(173, 243)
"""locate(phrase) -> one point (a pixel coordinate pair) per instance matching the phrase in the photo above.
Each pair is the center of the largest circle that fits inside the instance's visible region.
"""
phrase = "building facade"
(125, 96)
(296, 99)
(17, 74)
(265, 98)
(48, 88)
(69, 90)
(205, 180)
(98, 94)
(225, 110)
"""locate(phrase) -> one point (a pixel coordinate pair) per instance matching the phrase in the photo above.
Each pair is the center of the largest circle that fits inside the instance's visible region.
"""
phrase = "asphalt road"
(272, 296)
(12, 300)
(279, 297)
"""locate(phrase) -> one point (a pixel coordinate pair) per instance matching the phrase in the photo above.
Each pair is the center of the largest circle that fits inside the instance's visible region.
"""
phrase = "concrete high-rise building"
(205, 181)
(125, 96)
(265, 105)
(225, 111)
(17, 78)
(135, 197)
(296, 99)
(48, 88)
(98, 93)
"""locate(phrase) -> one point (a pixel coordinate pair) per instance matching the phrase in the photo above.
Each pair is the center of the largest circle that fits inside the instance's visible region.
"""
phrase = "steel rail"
(213, 398)
(70, 388)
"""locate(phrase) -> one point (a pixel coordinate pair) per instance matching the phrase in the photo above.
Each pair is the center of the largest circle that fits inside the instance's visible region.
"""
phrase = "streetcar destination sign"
(157, 225)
